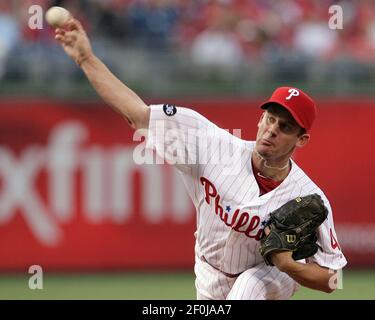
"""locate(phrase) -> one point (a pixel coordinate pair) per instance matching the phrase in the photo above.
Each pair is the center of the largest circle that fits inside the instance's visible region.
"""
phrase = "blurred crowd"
(222, 33)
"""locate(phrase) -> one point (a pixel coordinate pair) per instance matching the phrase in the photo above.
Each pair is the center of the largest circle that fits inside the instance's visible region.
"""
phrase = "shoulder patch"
(169, 110)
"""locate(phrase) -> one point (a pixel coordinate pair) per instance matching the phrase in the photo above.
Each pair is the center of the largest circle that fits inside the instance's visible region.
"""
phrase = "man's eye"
(271, 119)
(287, 128)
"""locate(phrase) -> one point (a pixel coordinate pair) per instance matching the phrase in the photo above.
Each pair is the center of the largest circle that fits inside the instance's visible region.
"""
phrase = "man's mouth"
(267, 143)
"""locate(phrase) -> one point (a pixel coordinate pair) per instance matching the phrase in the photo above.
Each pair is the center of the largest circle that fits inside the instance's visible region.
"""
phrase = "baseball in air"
(57, 16)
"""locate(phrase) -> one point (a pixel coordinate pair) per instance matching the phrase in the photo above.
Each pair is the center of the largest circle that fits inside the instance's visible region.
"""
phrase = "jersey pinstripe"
(218, 175)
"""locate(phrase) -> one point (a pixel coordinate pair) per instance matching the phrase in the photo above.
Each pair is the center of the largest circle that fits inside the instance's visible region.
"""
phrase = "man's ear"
(303, 140)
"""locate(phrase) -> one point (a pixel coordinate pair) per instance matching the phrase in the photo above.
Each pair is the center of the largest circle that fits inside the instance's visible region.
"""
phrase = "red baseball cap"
(298, 103)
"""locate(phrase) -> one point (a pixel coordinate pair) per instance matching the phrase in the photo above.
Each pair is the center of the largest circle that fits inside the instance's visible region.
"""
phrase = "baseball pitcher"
(263, 226)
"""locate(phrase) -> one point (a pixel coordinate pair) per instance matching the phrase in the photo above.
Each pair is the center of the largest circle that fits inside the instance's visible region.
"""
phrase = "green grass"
(126, 286)
(149, 286)
(356, 285)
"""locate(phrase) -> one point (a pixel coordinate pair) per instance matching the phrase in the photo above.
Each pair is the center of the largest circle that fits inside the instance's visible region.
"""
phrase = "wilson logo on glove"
(291, 238)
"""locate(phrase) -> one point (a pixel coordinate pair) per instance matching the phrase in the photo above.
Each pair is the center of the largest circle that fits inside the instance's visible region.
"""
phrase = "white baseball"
(57, 16)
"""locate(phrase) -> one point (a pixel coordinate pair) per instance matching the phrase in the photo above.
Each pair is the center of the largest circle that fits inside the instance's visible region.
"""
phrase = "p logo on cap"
(297, 102)
(293, 93)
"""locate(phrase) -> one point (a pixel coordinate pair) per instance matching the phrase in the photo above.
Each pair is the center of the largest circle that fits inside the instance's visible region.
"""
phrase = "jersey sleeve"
(330, 254)
(175, 133)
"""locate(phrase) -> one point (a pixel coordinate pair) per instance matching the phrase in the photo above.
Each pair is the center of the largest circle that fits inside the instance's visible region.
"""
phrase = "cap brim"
(291, 111)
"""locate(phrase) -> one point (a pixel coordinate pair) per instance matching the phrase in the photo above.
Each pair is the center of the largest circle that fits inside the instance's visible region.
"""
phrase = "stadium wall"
(72, 198)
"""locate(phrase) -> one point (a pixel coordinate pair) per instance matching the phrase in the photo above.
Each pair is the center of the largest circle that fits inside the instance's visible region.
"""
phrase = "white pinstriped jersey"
(230, 212)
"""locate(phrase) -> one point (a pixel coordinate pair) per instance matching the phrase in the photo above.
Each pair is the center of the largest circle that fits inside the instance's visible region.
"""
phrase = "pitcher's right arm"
(116, 94)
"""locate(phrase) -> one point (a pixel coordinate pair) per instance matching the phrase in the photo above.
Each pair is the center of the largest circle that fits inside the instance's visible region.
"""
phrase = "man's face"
(278, 134)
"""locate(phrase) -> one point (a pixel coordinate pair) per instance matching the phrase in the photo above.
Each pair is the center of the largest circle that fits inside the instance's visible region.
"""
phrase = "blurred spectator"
(218, 45)
(314, 39)
(9, 33)
(151, 22)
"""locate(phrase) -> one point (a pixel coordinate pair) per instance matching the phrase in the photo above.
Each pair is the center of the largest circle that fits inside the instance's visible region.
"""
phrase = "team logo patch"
(169, 110)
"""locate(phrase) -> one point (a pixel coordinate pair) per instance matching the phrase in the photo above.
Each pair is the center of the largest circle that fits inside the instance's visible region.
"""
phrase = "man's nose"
(273, 128)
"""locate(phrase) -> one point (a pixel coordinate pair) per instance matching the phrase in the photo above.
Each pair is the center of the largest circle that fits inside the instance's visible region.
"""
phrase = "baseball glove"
(293, 228)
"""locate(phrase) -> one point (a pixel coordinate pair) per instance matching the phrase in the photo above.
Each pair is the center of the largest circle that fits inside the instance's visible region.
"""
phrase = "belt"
(229, 275)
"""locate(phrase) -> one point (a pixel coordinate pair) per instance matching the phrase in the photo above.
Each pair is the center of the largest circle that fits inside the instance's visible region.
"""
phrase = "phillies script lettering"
(240, 221)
